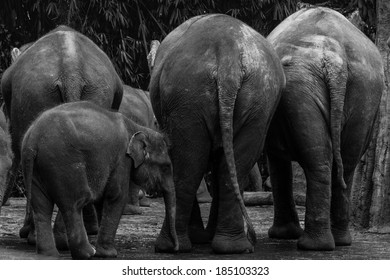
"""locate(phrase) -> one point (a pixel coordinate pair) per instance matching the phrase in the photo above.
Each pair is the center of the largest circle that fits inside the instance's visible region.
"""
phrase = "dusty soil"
(136, 235)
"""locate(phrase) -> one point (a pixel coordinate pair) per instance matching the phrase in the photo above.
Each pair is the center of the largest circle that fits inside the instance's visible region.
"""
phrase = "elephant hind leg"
(42, 211)
(78, 241)
(59, 232)
(90, 223)
(71, 209)
(286, 222)
(233, 233)
(230, 236)
(112, 208)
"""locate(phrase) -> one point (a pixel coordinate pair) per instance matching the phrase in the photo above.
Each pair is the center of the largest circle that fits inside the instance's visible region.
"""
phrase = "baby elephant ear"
(136, 148)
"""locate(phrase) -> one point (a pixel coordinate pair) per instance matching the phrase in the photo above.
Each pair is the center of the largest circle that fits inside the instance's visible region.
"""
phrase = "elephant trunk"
(170, 213)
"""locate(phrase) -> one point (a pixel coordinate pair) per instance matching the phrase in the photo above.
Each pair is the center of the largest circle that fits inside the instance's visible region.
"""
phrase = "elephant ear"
(15, 53)
(137, 148)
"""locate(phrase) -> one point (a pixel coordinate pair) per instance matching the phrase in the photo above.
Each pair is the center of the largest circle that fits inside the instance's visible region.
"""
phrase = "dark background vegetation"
(124, 28)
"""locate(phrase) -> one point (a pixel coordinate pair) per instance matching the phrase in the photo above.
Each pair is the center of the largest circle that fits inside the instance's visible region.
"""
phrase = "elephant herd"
(221, 94)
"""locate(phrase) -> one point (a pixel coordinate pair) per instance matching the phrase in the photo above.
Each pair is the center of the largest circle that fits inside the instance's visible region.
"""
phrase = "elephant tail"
(228, 85)
(336, 78)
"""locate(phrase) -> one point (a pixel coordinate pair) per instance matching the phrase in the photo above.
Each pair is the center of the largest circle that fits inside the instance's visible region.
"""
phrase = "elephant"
(62, 66)
(103, 151)
(324, 121)
(6, 155)
(136, 106)
(214, 87)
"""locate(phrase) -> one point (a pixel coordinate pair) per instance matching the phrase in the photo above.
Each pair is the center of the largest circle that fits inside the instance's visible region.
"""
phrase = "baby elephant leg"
(43, 210)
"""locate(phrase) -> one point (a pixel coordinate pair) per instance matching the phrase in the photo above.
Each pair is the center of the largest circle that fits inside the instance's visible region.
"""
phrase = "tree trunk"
(371, 191)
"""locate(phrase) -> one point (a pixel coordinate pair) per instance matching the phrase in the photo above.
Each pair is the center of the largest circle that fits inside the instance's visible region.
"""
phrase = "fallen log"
(265, 198)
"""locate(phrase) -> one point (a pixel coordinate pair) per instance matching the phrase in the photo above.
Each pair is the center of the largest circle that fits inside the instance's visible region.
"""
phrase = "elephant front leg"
(112, 211)
(184, 211)
(286, 222)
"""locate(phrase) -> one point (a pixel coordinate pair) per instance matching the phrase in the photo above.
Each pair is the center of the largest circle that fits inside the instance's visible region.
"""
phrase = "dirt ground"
(137, 233)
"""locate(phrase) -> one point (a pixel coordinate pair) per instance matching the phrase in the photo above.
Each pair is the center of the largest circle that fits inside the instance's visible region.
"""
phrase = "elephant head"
(153, 172)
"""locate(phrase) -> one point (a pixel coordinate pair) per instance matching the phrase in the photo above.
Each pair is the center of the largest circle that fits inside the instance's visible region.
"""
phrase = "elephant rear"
(324, 121)
(214, 88)
(62, 66)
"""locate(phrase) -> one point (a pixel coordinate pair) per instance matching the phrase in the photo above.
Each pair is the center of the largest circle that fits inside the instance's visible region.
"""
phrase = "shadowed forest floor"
(137, 233)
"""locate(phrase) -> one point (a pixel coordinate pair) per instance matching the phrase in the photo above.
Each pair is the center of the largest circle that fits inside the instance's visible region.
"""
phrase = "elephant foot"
(316, 241)
(165, 245)
(109, 252)
(61, 241)
(286, 231)
(82, 251)
(342, 237)
(132, 210)
(239, 244)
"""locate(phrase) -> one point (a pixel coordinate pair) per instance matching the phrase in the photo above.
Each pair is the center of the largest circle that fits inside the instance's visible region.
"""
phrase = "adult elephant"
(324, 121)
(62, 66)
(136, 106)
(214, 88)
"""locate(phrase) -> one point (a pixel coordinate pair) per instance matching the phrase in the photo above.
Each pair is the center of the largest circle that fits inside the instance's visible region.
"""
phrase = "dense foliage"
(124, 28)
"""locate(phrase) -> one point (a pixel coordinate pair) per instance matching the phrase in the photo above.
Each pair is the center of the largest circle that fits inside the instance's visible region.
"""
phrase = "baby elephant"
(78, 153)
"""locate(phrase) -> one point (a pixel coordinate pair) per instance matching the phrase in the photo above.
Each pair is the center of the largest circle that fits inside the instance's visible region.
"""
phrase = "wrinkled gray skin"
(62, 66)
(102, 151)
(6, 155)
(324, 121)
(136, 106)
(215, 79)
(253, 183)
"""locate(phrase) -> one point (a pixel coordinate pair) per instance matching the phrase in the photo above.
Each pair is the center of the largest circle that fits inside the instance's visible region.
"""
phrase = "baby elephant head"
(152, 165)
(153, 172)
